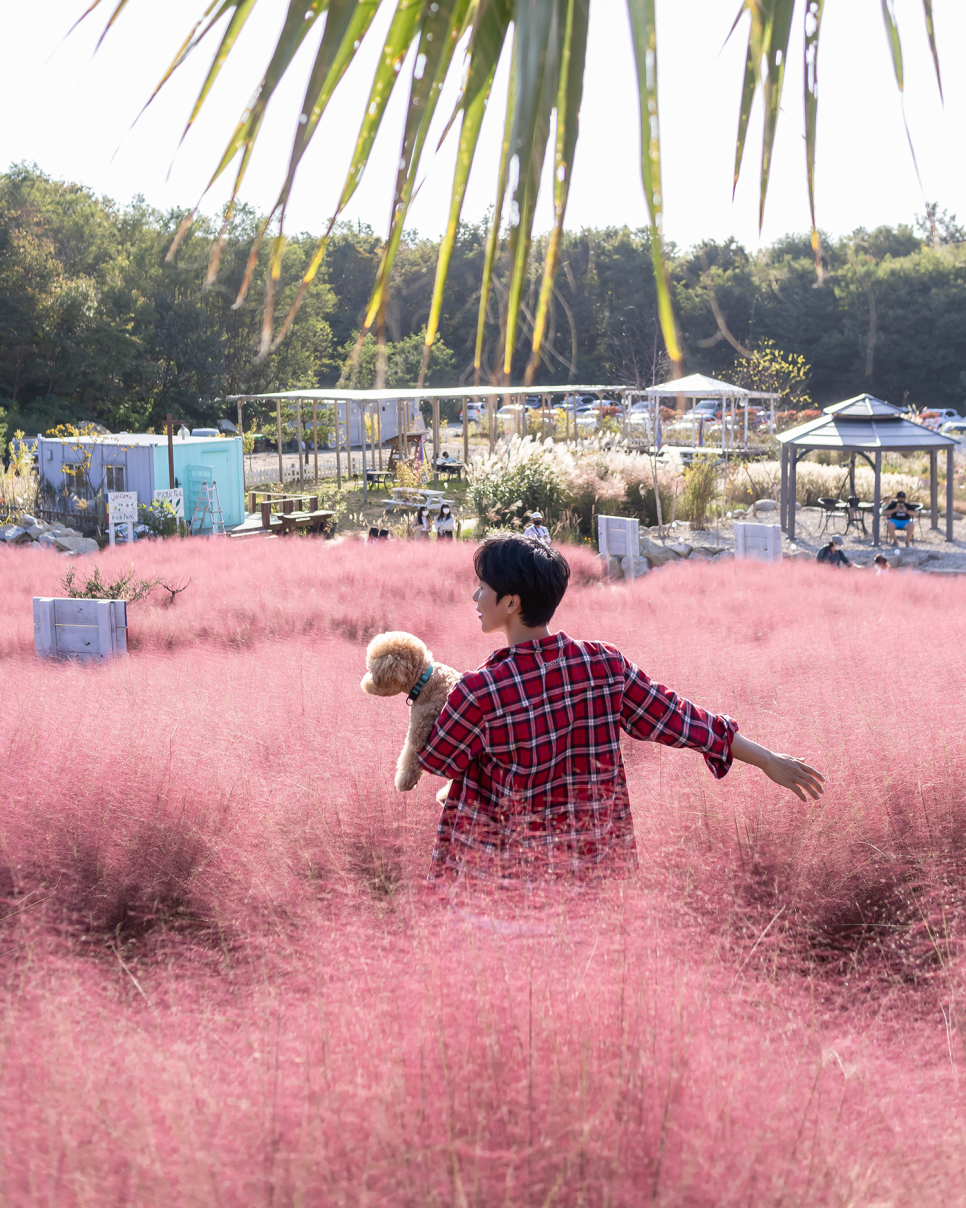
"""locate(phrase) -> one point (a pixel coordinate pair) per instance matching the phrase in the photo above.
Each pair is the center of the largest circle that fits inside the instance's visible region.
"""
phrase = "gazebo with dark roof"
(865, 427)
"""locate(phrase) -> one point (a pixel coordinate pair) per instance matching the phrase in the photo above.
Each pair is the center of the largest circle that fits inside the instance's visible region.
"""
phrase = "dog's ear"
(395, 661)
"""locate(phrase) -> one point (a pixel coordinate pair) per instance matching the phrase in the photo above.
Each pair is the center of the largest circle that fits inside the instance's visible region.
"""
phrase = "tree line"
(97, 325)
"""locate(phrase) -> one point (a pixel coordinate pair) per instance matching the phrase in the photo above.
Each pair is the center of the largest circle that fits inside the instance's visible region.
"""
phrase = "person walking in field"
(536, 529)
(531, 741)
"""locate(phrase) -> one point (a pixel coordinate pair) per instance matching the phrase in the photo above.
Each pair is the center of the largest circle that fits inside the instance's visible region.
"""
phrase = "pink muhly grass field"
(225, 982)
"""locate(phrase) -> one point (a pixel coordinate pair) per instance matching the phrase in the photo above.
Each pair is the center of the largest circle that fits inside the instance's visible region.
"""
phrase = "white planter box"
(760, 541)
(80, 629)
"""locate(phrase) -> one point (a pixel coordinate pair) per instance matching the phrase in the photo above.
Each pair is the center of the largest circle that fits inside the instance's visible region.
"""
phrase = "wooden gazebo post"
(361, 408)
(877, 497)
(934, 488)
(790, 501)
(298, 425)
(435, 406)
(338, 460)
(315, 437)
(784, 490)
(278, 430)
(466, 433)
(950, 470)
(379, 406)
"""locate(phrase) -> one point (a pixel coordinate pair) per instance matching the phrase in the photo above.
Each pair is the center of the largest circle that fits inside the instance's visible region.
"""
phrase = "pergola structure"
(367, 402)
(865, 427)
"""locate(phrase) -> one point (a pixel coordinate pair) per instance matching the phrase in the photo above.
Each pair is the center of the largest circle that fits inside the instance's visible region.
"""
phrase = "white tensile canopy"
(696, 385)
(699, 386)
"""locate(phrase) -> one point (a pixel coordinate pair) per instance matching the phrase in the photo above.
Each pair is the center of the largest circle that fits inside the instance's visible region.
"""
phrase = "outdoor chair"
(831, 508)
(856, 514)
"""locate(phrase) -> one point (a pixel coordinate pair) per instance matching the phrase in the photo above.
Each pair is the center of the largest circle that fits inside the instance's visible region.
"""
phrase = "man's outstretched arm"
(786, 770)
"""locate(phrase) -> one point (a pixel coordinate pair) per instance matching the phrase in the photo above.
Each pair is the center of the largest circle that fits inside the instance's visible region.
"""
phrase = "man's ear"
(513, 605)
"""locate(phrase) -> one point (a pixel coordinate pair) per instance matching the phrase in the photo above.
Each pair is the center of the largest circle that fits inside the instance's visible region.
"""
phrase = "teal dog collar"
(420, 685)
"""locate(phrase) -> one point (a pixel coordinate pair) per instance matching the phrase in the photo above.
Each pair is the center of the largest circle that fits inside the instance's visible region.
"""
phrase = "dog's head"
(394, 663)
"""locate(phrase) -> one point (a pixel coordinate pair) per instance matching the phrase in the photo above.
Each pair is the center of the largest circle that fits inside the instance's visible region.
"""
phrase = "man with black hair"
(532, 739)
(899, 519)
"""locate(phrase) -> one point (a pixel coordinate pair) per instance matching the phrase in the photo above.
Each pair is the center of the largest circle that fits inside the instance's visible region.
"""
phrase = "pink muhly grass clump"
(227, 983)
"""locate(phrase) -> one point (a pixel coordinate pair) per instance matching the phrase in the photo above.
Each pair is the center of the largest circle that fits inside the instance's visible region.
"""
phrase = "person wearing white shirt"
(536, 528)
(444, 524)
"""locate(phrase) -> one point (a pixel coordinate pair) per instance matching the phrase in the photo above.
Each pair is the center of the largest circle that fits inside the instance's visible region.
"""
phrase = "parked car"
(937, 416)
(705, 408)
(956, 428)
(205, 432)
(475, 413)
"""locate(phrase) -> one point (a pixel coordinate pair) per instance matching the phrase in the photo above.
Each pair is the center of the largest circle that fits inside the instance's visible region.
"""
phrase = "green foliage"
(700, 488)
(123, 587)
(404, 359)
(505, 487)
(97, 326)
(159, 517)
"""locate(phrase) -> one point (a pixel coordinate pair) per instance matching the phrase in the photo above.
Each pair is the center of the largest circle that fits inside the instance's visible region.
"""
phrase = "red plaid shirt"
(532, 743)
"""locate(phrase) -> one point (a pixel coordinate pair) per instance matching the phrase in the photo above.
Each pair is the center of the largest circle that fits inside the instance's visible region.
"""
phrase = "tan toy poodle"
(399, 662)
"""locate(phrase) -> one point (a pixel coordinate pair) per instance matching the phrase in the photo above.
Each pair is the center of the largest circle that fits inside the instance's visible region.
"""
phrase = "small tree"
(774, 371)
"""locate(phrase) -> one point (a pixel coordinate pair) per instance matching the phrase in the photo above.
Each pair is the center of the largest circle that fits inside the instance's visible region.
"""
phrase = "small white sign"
(174, 496)
(122, 506)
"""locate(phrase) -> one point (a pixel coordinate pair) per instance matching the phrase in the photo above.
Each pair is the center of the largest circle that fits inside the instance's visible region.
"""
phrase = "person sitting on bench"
(899, 518)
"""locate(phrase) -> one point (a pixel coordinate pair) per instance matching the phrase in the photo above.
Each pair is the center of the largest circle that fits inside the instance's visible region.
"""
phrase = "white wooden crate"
(760, 541)
(79, 629)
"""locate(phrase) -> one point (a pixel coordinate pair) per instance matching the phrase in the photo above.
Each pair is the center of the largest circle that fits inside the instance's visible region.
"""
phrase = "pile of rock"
(36, 534)
(654, 553)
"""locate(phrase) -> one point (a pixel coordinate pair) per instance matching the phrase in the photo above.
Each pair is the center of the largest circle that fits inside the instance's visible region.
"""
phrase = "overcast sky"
(72, 113)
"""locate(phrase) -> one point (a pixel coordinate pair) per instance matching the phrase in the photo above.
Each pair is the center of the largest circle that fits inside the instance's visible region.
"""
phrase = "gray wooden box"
(79, 629)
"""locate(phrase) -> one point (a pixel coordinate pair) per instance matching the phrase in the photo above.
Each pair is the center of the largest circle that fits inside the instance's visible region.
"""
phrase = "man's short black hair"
(523, 566)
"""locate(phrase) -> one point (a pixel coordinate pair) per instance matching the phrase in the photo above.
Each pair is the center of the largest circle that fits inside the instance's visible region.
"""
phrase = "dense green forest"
(95, 325)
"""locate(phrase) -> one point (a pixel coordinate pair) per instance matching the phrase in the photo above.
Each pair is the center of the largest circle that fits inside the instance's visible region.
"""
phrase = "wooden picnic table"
(429, 499)
(450, 467)
(314, 522)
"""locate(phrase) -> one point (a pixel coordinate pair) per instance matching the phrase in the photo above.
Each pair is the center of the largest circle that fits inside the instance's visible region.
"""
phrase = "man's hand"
(795, 774)
(791, 773)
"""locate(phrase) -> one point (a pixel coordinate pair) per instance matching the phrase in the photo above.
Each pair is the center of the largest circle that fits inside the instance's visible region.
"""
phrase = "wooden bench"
(314, 522)
(287, 505)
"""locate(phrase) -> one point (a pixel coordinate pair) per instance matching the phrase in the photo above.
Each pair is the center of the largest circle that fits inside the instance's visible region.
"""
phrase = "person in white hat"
(833, 554)
(536, 529)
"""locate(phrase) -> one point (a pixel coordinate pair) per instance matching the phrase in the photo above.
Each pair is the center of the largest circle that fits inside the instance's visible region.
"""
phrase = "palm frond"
(548, 58)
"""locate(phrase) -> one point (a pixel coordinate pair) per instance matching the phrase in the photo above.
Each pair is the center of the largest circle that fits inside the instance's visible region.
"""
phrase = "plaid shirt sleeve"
(656, 714)
(456, 738)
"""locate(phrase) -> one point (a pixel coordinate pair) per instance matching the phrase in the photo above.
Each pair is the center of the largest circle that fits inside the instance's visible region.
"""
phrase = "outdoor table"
(451, 467)
(379, 477)
(315, 522)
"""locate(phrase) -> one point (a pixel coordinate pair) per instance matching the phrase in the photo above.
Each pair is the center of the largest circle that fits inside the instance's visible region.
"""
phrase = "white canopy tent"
(698, 386)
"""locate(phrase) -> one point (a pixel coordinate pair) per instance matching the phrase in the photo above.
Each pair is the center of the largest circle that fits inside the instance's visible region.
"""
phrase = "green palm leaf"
(485, 49)
(545, 89)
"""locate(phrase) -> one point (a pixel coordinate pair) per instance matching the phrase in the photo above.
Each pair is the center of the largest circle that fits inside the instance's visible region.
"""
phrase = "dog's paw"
(407, 779)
